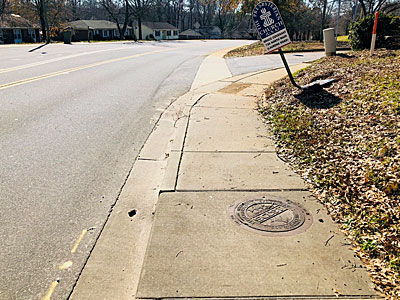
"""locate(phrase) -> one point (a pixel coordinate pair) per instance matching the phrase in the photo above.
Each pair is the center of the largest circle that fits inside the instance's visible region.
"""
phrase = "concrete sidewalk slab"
(214, 140)
(226, 129)
(157, 144)
(213, 68)
(178, 140)
(121, 262)
(171, 172)
(197, 251)
(227, 100)
(234, 88)
(254, 90)
(265, 77)
(235, 171)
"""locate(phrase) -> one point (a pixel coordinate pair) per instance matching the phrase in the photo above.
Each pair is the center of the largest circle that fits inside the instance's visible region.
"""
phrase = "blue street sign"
(270, 26)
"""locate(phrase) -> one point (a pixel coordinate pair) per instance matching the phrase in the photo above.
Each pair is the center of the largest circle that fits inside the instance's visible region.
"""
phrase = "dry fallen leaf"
(345, 142)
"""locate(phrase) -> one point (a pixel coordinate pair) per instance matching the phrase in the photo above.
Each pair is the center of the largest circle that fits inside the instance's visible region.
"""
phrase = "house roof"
(191, 32)
(15, 21)
(159, 25)
(93, 24)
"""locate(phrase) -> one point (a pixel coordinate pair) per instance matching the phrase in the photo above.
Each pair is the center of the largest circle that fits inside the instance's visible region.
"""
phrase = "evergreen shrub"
(387, 32)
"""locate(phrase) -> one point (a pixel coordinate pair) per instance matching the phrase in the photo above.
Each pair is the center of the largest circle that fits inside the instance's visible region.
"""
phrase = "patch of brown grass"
(345, 141)
(258, 48)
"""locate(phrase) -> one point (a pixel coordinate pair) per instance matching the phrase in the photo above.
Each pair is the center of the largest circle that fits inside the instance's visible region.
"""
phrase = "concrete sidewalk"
(210, 211)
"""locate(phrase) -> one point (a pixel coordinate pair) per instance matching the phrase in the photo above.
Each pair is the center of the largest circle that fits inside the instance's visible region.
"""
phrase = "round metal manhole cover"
(271, 217)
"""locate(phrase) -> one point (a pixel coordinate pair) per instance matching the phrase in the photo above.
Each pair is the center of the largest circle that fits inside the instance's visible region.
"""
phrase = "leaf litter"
(344, 140)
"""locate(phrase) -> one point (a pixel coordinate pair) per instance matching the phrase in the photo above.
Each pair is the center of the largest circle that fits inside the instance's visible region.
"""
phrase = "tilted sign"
(270, 26)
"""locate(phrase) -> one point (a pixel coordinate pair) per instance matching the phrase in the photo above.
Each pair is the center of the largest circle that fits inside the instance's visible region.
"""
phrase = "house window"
(116, 32)
(96, 32)
(157, 33)
(17, 35)
(168, 33)
(32, 34)
(127, 32)
(106, 33)
(176, 32)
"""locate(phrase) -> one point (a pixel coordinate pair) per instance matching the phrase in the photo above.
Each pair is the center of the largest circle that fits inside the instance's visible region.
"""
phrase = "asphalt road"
(72, 120)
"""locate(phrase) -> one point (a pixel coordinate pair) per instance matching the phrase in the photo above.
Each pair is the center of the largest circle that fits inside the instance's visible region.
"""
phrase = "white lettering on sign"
(266, 17)
(277, 40)
(269, 24)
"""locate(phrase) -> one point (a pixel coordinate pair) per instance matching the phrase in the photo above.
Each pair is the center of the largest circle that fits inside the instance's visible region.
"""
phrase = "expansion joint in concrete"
(223, 107)
(222, 152)
(251, 75)
(327, 297)
(233, 191)
(147, 159)
(185, 136)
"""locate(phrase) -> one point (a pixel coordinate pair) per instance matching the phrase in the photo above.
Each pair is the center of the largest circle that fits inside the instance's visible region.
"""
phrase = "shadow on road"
(37, 48)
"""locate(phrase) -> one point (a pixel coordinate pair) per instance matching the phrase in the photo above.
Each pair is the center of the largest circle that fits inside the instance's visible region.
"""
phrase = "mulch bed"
(344, 140)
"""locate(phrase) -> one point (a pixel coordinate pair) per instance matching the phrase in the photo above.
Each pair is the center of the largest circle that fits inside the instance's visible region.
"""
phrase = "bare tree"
(140, 10)
(372, 6)
(41, 8)
(74, 9)
(120, 13)
(391, 7)
(2, 7)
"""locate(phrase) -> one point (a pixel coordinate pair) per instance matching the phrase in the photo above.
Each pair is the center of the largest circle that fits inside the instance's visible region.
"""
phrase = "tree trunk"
(126, 21)
(323, 20)
(363, 7)
(2, 7)
(191, 16)
(140, 27)
(42, 12)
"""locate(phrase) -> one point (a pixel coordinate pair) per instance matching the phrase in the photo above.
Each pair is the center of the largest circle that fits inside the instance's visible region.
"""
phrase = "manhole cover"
(271, 216)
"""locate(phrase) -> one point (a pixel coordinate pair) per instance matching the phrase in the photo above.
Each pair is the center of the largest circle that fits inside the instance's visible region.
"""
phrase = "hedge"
(387, 33)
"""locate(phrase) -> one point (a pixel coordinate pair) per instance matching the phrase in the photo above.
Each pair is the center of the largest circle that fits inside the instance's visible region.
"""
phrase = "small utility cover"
(270, 26)
(271, 217)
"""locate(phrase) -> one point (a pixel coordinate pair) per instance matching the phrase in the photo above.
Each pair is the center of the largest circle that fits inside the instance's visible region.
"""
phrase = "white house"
(157, 30)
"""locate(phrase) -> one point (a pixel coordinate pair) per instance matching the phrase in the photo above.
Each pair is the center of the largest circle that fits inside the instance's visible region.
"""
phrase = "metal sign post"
(287, 69)
(273, 33)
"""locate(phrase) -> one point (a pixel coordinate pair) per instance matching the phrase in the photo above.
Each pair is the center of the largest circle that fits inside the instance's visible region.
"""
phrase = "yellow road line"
(50, 291)
(40, 77)
(78, 241)
(17, 68)
(65, 265)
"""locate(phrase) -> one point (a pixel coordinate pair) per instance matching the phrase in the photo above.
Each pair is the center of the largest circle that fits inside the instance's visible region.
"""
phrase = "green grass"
(343, 38)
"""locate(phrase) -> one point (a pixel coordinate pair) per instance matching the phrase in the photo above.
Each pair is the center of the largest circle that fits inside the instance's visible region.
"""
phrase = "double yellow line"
(49, 75)
(39, 63)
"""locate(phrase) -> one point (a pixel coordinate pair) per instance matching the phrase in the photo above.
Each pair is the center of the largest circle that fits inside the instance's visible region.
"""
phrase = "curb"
(310, 50)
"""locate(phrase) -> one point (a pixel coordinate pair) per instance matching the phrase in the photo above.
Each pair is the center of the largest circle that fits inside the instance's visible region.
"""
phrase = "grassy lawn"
(343, 38)
(345, 141)
(258, 48)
